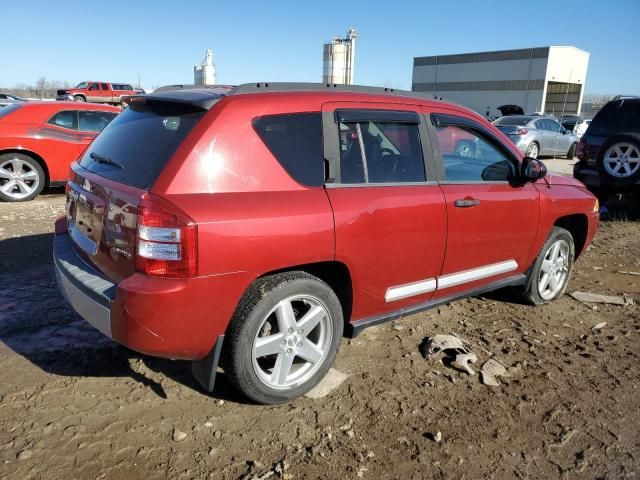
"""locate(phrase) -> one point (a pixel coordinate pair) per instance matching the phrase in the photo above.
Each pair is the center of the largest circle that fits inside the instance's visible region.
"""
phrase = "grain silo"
(205, 73)
(338, 59)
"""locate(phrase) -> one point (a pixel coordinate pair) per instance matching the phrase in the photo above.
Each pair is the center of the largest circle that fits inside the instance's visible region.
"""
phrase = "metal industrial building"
(548, 80)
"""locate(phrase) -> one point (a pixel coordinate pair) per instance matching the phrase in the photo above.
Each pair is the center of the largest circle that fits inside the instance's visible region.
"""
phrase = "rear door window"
(380, 152)
(135, 147)
(296, 142)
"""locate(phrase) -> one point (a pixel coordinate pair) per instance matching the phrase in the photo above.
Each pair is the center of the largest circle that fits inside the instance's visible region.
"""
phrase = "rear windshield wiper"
(105, 160)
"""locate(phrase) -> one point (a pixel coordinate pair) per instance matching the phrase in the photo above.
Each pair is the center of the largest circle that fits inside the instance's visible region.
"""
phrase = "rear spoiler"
(201, 98)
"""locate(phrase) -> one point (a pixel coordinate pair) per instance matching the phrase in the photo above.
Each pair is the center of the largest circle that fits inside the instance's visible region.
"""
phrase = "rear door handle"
(466, 203)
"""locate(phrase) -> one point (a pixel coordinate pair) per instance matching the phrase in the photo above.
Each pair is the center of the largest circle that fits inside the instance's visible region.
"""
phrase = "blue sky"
(282, 40)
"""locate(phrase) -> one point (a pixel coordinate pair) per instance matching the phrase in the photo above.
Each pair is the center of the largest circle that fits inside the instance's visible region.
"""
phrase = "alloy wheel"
(622, 160)
(532, 151)
(292, 342)
(554, 270)
(18, 179)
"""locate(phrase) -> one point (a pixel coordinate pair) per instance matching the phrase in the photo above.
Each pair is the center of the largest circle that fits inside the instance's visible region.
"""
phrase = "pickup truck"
(97, 92)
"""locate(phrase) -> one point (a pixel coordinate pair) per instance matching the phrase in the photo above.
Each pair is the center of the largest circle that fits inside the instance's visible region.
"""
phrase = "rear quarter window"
(617, 117)
(140, 141)
(296, 141)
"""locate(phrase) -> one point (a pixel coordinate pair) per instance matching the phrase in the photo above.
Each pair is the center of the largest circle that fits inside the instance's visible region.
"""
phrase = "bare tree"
(41, 83)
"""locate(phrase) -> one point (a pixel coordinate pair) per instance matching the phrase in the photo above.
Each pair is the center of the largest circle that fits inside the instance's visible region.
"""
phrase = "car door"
(560, 140)
(93, 92)
(492, 221)
(390, 217)
(58, 139)
(106, 93)
(544, 137)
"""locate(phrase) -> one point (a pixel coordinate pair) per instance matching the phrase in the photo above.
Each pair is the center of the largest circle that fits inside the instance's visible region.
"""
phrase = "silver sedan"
(538, 136)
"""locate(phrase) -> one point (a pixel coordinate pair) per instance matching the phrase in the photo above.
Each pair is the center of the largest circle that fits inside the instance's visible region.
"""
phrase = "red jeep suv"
(256, 226)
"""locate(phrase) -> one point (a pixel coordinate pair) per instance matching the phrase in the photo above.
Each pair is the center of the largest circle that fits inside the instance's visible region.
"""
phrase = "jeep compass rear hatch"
(108, 191)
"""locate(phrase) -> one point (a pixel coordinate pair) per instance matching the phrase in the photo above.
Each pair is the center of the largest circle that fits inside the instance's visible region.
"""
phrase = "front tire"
(550, 273)
(21, 177)
(283, 338)
(79, 98)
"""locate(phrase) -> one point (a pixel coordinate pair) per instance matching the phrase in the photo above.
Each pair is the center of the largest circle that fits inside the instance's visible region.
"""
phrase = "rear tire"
(21, 177)
(551, 271)
(283, 338)
(79, 98)
(572, 151)
(533, 150)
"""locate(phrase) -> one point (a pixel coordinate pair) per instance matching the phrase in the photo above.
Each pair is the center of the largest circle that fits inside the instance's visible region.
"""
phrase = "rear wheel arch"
(577, 225)
(333, 273)
(36, 157)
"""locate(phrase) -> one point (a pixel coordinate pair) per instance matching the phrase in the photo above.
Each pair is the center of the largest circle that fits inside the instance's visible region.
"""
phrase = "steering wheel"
(388, 151)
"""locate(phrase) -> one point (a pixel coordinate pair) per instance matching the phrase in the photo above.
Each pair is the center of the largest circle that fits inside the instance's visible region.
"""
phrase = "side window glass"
(540, 125)
(94, 121)
(380, 152)
(104, 86)
(66, 119)
(469, 157)
(296, 142)
(553, 126)
(94, 86)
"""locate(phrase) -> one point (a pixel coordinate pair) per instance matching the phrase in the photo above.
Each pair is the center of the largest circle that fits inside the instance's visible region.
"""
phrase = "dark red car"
(39, 140)
(258, 225)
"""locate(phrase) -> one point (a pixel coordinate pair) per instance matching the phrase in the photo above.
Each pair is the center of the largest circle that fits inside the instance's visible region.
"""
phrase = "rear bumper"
(591, 177)
(171, 318)
(87, 292)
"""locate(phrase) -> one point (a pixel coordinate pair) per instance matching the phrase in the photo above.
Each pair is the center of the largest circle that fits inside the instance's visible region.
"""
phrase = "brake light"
(166, 240)
(520, 131)
(581, 150)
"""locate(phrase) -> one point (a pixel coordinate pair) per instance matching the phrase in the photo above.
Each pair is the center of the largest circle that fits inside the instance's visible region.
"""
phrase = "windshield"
(4, 111)
(135, 147)
(82, 85)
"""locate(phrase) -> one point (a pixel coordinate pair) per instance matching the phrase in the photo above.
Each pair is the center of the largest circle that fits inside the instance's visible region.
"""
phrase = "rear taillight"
(166, 242)
(520, 131)
(581, 150)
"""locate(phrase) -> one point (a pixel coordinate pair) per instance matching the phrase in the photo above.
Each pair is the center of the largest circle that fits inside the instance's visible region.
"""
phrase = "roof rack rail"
(622, 97)
(321, 87)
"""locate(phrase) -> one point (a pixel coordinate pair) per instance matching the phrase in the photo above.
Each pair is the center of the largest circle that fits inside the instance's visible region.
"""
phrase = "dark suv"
(609, 151)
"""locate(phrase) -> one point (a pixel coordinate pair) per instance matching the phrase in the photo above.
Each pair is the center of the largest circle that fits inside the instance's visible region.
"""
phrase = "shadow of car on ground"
(37, 323)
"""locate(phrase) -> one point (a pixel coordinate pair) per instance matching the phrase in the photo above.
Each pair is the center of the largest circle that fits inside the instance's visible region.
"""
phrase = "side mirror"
(533, 169)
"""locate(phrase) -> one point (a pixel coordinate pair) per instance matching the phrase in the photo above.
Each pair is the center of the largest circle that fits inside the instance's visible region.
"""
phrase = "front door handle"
(466, 202)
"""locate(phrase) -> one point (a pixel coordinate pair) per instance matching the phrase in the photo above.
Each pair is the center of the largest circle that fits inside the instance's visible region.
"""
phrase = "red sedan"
(39, 140)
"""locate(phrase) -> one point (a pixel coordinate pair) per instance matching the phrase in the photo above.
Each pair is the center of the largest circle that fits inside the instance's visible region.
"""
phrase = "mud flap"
(204, 371)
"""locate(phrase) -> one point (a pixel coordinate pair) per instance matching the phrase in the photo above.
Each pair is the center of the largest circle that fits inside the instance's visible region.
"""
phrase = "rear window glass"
(512, 120)
(616, 117)
(296, 142)
(135, 147)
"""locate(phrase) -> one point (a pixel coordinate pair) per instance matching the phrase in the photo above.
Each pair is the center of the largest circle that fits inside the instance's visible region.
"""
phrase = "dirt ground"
(74, 405)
